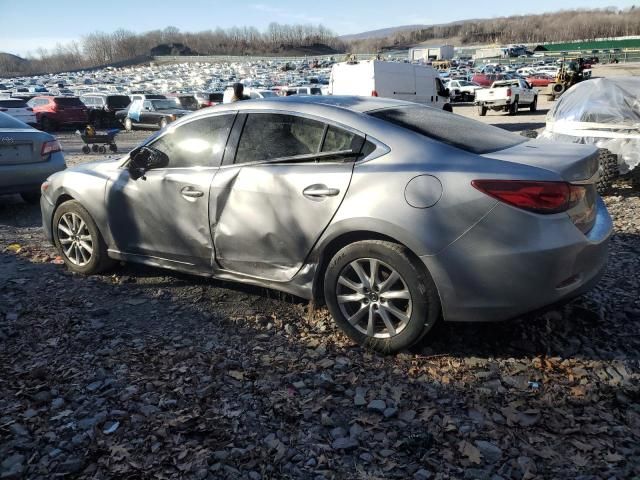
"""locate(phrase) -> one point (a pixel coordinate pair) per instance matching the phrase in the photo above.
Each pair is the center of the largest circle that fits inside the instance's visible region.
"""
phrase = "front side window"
(199, 143)
(268, 136)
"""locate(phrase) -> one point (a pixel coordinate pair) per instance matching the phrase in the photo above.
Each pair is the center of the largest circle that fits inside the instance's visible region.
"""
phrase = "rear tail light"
(508, 92)
(538, 197)
(52, 146)
(374, 93)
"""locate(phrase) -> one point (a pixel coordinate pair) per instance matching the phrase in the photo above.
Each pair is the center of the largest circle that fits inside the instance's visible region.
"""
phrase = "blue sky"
(25, 26)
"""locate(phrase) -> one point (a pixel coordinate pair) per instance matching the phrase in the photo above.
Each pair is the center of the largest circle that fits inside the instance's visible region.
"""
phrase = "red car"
(487, 79)
(539, 80)
(54, 112)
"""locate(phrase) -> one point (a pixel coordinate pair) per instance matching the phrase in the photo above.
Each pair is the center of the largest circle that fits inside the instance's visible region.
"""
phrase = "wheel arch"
(335, 243)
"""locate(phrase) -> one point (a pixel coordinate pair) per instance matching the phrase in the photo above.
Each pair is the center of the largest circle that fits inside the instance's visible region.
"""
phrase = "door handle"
(319, 191)
(190, 192)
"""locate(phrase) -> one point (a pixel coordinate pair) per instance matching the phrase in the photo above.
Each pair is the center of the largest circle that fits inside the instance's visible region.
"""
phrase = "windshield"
(164, 104)
(455, 130)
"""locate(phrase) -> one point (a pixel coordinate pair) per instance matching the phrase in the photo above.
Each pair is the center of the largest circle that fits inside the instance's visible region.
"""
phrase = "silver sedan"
(27, 157)
(393, 214)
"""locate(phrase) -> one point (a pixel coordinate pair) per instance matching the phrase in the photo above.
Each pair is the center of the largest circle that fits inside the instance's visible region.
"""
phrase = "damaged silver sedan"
(393, 214)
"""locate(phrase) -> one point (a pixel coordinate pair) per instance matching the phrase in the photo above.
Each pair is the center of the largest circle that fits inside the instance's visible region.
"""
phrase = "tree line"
(101, 48)
(559, 26)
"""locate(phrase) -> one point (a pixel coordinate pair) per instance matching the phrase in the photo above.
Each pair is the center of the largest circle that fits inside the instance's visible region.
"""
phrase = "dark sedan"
(156, 113)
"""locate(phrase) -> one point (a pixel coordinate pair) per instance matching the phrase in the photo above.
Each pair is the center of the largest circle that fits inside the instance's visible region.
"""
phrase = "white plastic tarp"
(604, 112)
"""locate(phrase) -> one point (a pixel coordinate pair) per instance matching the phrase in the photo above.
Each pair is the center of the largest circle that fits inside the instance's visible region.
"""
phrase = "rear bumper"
(512, 263)
(494, 103)
(28, 177)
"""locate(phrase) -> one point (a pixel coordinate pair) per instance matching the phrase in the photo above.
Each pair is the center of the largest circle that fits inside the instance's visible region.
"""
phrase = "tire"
(558, 89)
(89, 262)
(31, 197)
(46, 124)
(102, 149)
(95, 148)
(513, 108)
(113, 147)
(534, 105)
(447, 108)
(163, 122)
(482, 110)
(608, 170)
(128, 125)
(86, 149)
(421, 304)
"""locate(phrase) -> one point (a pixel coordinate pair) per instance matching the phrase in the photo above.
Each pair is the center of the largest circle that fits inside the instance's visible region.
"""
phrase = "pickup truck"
(508, 96)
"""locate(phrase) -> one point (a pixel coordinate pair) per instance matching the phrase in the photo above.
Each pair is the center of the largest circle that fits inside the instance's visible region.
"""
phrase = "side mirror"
(145, 158)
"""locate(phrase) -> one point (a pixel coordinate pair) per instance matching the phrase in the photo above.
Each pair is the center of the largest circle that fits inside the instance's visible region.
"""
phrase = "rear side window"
(13, 104)
(268, 136)
(454, 130)
(69, 102)
(338, 140)
(118, 101)
(199, 143)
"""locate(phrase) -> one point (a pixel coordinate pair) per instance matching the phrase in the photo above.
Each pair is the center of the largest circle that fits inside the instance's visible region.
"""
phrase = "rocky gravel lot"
(144, 373)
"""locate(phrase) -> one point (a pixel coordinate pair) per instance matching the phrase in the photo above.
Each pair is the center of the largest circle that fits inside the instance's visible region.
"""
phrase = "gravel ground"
(144, 373)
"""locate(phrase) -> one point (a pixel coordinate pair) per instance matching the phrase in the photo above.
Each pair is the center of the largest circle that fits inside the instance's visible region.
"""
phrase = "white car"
(508, 96)
(462, 90)
(260, 93)
(18, 109)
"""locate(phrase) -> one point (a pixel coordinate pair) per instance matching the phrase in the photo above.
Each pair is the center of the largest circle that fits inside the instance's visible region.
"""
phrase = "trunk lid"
(21, 146)
(574, 163)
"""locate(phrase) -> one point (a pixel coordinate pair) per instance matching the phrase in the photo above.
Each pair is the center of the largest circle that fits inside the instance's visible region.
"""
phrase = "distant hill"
(10, 63)
(381, 33)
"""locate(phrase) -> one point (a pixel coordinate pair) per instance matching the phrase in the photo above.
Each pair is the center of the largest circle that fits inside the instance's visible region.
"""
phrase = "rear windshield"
(455, 130)
(118, 101)
(13, 103)
(69, 102)
(316, 91)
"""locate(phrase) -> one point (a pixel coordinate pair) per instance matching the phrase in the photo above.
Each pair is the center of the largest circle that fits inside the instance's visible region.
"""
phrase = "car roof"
(352, 103)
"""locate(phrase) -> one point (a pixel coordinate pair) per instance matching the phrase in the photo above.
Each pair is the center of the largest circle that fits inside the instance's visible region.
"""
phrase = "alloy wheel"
(75, 239)
(374, 298)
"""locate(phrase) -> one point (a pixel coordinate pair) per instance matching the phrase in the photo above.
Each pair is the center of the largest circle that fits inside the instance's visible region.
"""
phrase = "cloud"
(285, 15)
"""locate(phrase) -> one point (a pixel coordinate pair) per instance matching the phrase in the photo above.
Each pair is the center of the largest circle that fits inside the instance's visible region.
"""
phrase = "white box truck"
(402, 81)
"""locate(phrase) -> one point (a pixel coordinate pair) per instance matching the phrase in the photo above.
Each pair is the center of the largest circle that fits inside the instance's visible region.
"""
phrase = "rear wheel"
(102, 149)
(534, 104)
(379, 296)
(78, 239)
(128, 125)
(113, 147)
(86, 149)
(513, 108)
(46, 124)
(482, 110)
(163, 122)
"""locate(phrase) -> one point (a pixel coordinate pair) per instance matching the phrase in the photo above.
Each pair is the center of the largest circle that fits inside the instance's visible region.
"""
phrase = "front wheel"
(534, 105)
(78, 239)
(379, 296)
(128, 125)
(482, 110)
(163, 122)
